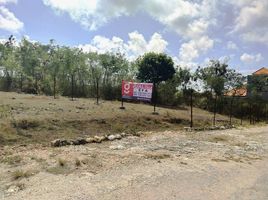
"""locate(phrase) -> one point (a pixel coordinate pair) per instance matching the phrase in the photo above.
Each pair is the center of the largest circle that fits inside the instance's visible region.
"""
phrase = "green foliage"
(155, 67)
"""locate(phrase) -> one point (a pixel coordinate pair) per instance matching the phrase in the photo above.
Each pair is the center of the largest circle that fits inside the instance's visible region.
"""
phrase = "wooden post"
(155, 98)
(215, 105)
(54, 86)
(122, 104)
(97, 85)
(72, 87)
(191, 125)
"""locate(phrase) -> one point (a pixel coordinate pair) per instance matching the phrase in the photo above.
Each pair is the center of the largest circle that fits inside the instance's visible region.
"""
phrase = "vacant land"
(34, 119)
(157, 161)
(230, 164)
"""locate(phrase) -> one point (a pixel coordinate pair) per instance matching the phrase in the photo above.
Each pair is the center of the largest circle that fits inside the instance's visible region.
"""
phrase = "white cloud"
(192, 49)
(187, 18)
(251, 58)
(134, 47)
(8, 21)
(251, 21)
(231, 45)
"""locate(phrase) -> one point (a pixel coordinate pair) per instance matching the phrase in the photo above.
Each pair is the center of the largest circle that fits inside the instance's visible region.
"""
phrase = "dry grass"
(11, 160)
(39, 119)
(219, 138)
(19, 174)
(78, 163)
(60, 168)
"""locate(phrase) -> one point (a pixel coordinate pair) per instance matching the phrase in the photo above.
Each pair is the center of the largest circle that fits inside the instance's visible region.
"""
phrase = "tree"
(187, 81)
(96, 72)
(55, 59)
(235, 82)
(214, 78)
(9, 62)
(155, 68)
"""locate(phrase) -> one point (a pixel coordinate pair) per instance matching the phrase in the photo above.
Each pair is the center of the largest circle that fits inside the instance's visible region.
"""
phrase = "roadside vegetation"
(49, 76)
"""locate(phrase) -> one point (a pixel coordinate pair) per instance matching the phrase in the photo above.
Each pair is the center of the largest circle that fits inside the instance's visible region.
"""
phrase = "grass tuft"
(19, 174)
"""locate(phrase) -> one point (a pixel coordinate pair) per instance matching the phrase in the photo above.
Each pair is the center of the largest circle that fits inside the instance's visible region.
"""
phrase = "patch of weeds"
(12, 160)
(118, 127)
(60, 168)
(62, 163)
(77, 162)
(26, 124)
(174, 120)
(37, 159)
(19, 174)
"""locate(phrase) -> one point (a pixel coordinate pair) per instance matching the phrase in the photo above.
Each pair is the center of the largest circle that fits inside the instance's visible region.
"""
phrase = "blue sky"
(191, 31)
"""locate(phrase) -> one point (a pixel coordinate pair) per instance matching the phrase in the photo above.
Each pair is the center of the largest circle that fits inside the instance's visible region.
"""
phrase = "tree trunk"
(36, 85)
(155, 96)
(72, 87)
(250, 113)
(191, 108)
(231, 110)
(97, 87)
(54, 86)
(215, 105)
(241, 113)
(21, 82)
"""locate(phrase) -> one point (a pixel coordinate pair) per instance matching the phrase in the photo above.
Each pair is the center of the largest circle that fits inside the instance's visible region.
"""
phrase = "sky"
(191, 31)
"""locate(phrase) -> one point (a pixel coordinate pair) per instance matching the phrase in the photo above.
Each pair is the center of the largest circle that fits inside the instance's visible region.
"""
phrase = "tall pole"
(241, 113)
(54, 86)
(215, 105)
(155, 97)
(191, 108)
(97, 84)
(72, 87)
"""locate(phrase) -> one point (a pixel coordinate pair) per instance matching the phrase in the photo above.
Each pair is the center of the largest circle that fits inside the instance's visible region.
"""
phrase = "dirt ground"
(32, 119)
(228, 164)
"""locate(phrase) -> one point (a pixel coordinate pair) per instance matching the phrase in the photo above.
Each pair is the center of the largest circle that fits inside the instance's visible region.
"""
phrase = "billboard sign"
(137, 91)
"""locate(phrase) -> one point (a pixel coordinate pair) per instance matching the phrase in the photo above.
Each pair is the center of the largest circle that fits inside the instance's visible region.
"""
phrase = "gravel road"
(228, 164)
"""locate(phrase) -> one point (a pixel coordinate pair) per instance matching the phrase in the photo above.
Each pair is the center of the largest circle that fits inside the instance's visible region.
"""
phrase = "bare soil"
(229, 164)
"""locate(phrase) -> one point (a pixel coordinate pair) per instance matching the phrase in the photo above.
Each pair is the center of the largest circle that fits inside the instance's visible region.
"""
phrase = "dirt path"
(213, 165)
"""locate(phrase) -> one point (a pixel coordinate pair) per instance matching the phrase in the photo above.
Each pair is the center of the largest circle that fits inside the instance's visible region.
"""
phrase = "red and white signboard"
(138, 91)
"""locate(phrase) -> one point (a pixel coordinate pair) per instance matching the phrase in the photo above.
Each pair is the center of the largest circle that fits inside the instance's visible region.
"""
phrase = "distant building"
(239, 92)
(257, 84)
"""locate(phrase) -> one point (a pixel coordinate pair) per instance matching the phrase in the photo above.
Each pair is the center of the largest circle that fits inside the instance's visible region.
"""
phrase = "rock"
(13, 189)
(187, 128)
(60, 143)
(118, 136)
(90, 140)
(98, 139)
(81, 141)
(103, 138)
(111, 137)
(55, 143)
(222, 127)
(123, 134)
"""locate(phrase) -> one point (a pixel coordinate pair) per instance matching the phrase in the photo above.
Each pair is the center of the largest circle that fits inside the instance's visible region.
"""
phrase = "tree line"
(50, 69)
